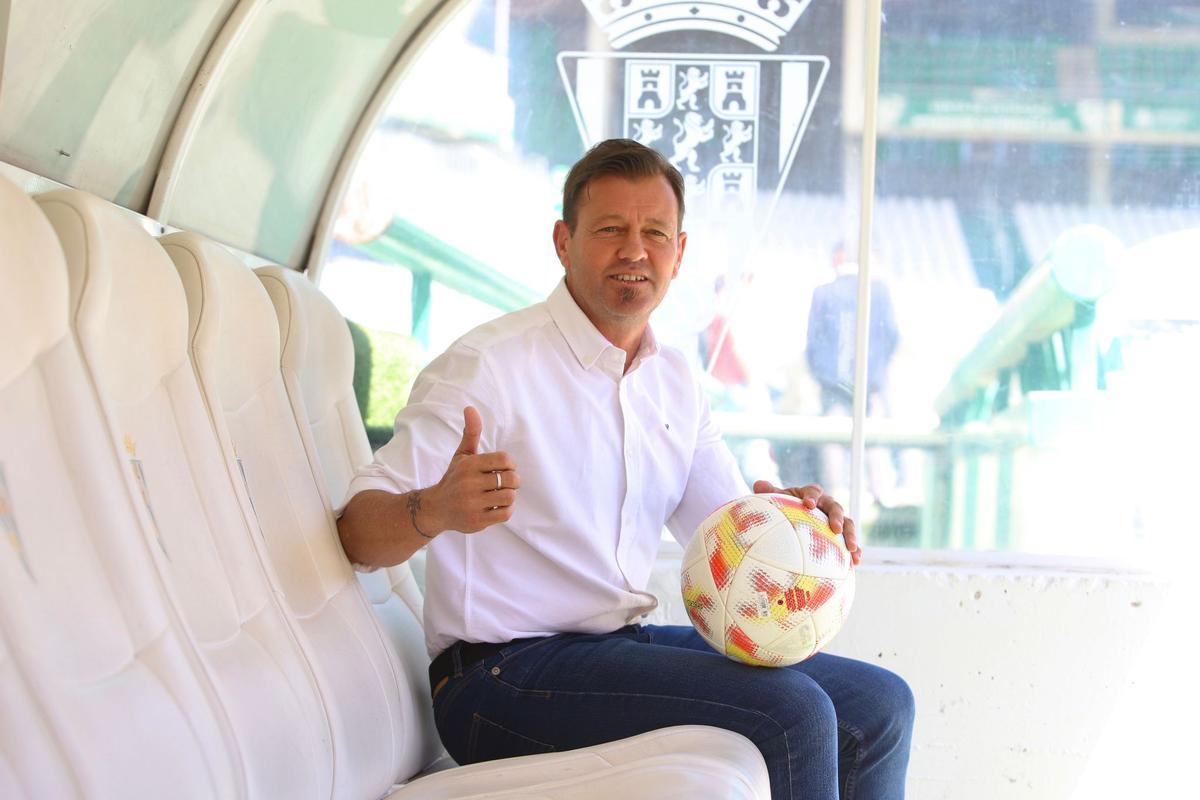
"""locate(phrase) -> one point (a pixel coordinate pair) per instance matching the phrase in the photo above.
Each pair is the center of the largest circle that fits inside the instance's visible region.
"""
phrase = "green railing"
(431, 259)
(1035, 367)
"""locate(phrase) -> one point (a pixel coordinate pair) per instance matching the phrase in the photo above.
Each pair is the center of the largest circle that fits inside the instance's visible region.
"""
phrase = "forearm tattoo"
(414, 505)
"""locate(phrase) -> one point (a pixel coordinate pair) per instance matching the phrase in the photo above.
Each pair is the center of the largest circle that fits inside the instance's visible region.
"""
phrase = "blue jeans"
(828, 727)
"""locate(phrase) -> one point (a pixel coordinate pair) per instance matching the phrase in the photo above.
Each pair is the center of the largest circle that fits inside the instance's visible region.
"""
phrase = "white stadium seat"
(317, 364)
(317, 361)
(681, 763)
(106, 661)
(31, 763)
(235, 350)
(131, 322)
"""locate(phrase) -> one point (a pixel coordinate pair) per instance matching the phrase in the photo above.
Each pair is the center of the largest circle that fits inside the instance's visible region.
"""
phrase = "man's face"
(623, 254)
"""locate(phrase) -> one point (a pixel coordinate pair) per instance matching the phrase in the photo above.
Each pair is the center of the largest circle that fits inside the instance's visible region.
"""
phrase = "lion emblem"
(737, 133)
(647, 132)
(690, 134)
(691, 83)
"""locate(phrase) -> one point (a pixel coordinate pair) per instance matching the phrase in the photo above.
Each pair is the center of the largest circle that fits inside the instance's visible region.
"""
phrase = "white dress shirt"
(606, 458)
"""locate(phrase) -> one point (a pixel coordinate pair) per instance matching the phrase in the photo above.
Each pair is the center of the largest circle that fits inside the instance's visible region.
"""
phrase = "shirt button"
(495, 670)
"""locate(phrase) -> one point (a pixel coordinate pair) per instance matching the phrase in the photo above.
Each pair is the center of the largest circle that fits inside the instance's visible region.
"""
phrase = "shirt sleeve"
(429, 428)
(713, 480)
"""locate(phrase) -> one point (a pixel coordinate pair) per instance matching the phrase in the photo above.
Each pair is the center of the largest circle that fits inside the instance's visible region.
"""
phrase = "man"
(830, 356)
(535, 582)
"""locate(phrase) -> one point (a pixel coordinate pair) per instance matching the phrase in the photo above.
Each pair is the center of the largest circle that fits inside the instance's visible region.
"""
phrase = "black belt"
(469, 654)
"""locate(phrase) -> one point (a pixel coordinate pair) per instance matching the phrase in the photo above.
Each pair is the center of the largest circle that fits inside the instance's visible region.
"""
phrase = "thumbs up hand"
(472, 430)
(478, 489)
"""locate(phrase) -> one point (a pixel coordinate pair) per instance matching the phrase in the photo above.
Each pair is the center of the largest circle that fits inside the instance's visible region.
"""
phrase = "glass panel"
(1066, 139)
(91, 88)
(264, 154)
(1017, 378)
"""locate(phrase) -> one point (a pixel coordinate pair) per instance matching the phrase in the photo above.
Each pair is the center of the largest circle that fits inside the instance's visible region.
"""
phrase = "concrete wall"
(1032, 681)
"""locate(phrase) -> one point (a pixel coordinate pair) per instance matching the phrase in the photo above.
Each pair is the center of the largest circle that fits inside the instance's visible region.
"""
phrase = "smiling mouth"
(630, 278)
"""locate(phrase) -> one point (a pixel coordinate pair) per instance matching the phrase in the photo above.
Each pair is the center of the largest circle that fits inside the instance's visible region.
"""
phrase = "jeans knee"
(904, 702)
(798, 704)
(897, 706)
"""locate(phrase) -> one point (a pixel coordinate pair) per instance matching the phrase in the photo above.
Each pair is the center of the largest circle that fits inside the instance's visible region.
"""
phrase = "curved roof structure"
(234, 118)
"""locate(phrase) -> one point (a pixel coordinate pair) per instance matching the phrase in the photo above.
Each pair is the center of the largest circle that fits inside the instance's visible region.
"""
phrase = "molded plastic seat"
(128, 300)
(235, 352)
(317, 363)
(106, 661)
(31, 763)
(317, 366)
(680, 763)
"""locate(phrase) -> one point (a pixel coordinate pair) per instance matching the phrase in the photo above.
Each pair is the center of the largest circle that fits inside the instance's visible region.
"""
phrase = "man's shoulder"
(505, 331)
(472, 358)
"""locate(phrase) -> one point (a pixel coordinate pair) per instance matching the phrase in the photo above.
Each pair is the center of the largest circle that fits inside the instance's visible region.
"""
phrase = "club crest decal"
(730, 123)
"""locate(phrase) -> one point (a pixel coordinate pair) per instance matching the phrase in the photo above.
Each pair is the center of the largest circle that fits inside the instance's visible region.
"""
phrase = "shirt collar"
(649, 348)
(585, 341)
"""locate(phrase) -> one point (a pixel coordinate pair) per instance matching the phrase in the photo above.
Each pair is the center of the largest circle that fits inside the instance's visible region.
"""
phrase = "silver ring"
(499, 484)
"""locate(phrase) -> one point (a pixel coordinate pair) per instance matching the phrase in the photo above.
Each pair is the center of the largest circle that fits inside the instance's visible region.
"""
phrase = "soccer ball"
(765, 581)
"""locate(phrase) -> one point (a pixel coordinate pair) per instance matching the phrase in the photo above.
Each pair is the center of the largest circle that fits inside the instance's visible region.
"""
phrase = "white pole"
(871, 34)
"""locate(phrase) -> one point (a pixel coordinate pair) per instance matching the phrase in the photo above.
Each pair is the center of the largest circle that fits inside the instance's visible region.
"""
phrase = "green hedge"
(385, 365)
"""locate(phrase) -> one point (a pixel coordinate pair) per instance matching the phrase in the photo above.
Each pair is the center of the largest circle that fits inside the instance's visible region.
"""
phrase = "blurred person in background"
(832, 320)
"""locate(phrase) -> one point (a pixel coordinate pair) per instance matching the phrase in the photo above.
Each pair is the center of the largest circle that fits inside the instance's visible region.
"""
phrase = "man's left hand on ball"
(814, 497)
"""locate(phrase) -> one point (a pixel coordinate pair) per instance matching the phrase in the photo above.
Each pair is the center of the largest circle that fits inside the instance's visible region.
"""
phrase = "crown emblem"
(762, 23)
